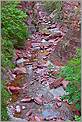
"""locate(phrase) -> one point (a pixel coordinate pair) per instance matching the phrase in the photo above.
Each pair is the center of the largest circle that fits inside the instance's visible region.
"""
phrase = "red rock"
(13, 89)
(38, 100)
(56, 83)
(77, 113)
(30, 12)
(59, 104)
(32, 118)
(58, 98)
(57, 62)
(38, 119)
(55, 72)
(11, 75)
(26, 99)
(21, 70)
(54, 36)
(55, 106)
(18, 51)
(29, 113)
(65, 83)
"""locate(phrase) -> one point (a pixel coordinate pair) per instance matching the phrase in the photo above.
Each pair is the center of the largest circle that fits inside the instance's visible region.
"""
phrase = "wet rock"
(43, 41)
(38, 100)
(35, 45)
(29, 113)
(58, 91)
(20, 61)
(55, 30)
(49, 114)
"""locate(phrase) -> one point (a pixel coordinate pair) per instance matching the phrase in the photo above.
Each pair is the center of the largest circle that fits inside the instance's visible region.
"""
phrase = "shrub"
(13, 26)
(72, 72)
(7, 53)
(4, 97)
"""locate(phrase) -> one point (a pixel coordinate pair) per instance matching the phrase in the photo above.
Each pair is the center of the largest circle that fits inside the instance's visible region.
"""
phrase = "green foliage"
(77, 118)
(14, 32)
(13, 26)
(72, 72)
(4, 97)
(7, 53)
(6, 62)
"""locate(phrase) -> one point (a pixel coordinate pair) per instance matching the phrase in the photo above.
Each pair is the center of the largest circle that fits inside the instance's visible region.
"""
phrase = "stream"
(36, 95)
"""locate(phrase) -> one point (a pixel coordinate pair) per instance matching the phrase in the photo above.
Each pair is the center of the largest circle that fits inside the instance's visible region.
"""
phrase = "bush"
(4, 97)
(72, 72)
(13, 26)
(77, 118)
(7, 53)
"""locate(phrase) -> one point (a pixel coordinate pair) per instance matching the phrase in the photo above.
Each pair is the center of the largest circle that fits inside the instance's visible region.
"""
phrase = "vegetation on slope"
(14, 33)
(72, 72)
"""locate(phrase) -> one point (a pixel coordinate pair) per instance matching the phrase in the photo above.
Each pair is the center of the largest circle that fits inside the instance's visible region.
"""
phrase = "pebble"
(23, 107)
(19, 61)
(18, 109)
